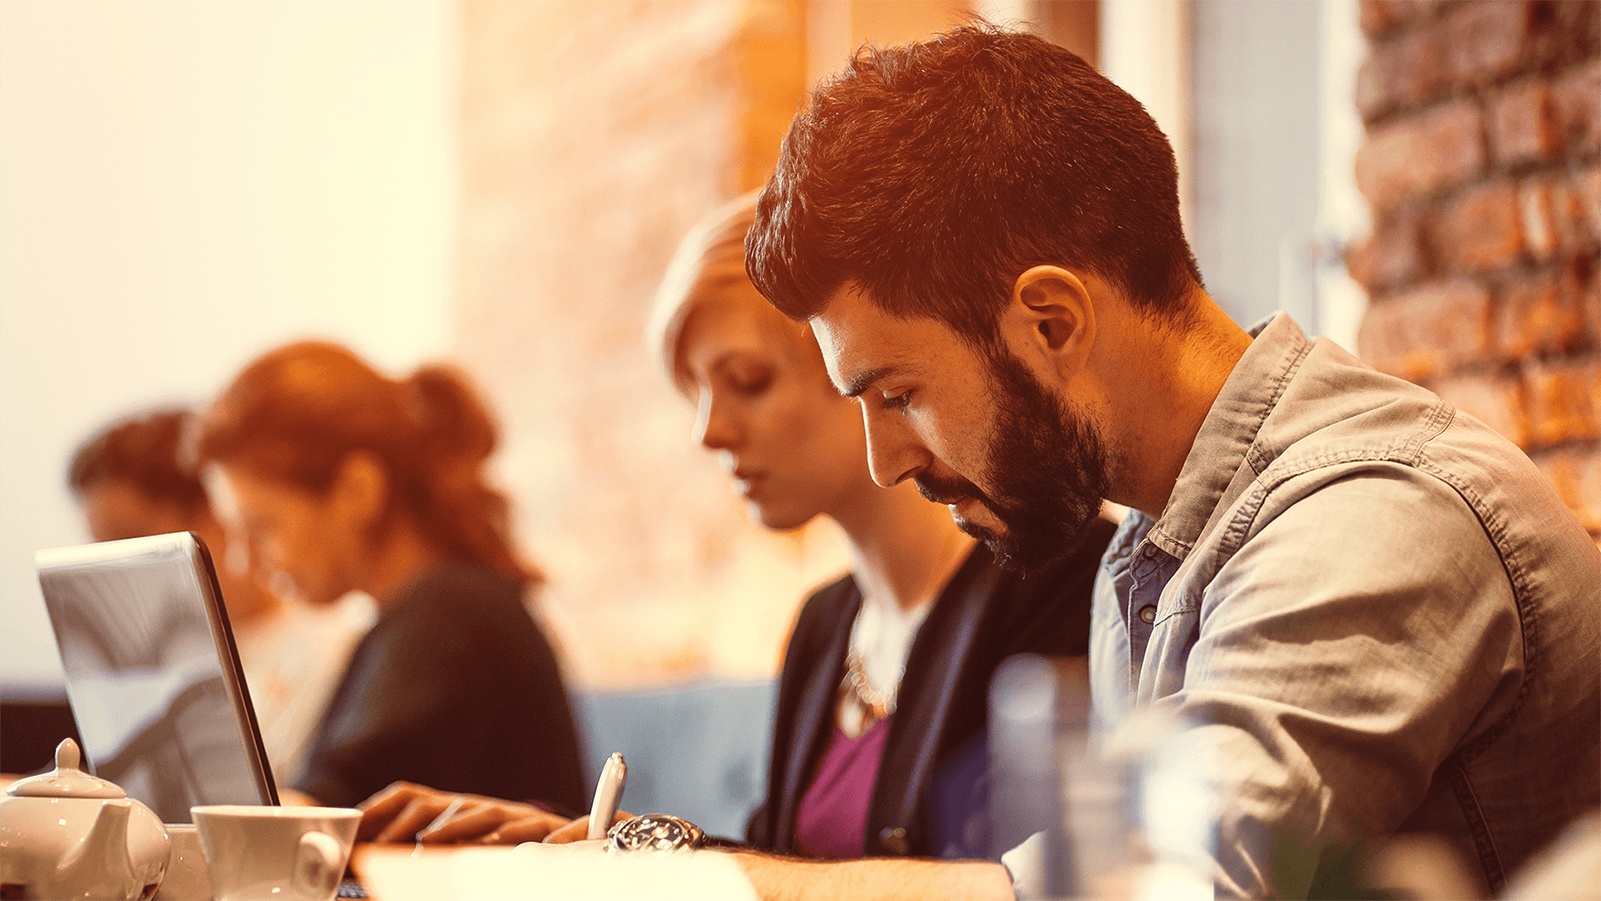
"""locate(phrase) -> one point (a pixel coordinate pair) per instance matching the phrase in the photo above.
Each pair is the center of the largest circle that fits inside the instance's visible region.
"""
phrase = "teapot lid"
(67, 780)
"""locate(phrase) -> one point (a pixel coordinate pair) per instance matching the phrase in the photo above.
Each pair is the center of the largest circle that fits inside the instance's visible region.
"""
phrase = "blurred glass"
(1128, 814)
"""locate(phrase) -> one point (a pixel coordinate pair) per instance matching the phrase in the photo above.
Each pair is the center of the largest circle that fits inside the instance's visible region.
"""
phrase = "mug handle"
(319, 863)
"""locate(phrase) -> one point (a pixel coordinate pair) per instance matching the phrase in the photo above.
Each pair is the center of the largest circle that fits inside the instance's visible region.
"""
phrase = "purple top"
(831, 820)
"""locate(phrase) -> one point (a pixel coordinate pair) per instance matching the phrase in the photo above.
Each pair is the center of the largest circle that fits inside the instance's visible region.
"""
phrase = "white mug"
(258, 853)
(186, 879)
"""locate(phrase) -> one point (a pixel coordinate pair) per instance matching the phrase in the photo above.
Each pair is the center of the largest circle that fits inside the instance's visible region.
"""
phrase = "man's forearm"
(884, 879)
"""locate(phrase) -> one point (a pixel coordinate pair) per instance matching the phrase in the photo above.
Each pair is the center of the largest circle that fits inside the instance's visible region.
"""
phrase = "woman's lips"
(746, 482)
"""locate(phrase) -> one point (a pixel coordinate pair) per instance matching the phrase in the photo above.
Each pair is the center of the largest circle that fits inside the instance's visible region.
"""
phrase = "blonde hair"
(709, 261)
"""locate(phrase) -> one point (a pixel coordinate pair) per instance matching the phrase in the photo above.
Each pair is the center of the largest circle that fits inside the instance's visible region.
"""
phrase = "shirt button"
(1150, 550)
(1148, 614)
(893, 838)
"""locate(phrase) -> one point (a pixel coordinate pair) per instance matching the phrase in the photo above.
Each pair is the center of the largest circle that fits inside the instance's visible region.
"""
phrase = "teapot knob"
(67, 780)
(68, 755)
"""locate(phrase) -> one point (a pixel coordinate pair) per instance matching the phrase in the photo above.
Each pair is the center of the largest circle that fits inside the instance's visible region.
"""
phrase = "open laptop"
(152, 673)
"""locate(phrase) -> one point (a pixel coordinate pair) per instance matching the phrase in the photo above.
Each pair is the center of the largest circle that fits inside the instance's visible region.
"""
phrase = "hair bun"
(452, 422)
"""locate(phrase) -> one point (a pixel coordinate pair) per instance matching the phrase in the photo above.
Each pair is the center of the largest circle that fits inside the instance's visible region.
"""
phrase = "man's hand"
(575, 831)
(404, 812)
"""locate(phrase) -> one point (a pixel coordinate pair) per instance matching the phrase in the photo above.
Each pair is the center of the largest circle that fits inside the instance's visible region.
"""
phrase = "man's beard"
(1048, 468)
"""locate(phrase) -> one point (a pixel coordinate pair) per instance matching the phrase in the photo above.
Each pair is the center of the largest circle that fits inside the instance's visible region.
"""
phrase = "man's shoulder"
(1373, 514)
(1336, 408)
(1337, 418)
(1396, 435)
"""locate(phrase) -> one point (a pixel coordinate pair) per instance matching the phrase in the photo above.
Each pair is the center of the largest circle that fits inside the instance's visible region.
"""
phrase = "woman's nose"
(714, 427)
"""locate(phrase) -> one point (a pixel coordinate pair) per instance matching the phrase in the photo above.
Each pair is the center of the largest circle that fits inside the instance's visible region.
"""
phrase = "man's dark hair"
(931, 175)
(145, 451)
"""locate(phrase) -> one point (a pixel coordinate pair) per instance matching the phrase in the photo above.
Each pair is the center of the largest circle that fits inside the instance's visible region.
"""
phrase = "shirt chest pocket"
(1162, 645)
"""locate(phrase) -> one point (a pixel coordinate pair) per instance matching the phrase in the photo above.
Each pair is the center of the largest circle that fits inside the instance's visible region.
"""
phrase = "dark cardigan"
(983, 616)
(457, 688)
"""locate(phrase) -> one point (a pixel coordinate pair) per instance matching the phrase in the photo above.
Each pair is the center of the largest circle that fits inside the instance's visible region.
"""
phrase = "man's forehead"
(861, 342)
(853, 334)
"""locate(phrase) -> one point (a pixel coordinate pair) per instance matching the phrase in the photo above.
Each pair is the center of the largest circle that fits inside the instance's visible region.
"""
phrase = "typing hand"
(405, 811)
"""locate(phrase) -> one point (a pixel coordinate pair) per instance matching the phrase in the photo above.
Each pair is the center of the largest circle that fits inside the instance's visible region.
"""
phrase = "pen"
(438, 821)
(444, 815)
(608, 794)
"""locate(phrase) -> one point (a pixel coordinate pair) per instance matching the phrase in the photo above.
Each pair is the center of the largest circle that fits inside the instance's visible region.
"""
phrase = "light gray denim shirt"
(1374, 607)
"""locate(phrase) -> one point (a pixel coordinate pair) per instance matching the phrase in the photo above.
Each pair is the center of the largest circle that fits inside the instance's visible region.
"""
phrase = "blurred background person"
(130, 480)
(879, 732)
(348, 480)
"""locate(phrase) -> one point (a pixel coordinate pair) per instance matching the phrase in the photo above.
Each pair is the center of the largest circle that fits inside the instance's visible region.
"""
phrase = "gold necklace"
(877, 704)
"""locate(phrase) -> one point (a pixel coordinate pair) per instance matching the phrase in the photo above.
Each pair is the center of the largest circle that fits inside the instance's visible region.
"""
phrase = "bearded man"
(1376, 611)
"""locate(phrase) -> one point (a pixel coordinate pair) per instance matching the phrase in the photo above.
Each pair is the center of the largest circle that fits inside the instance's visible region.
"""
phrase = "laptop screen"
(152, 673)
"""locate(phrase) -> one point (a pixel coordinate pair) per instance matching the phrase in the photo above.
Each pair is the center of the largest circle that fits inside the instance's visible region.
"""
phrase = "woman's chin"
(778, 519)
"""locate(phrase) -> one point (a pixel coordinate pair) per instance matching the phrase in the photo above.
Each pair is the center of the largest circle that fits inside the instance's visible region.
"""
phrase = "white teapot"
(69, 835)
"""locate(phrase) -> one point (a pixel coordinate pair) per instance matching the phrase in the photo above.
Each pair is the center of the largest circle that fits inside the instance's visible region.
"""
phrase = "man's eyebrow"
(856, 386)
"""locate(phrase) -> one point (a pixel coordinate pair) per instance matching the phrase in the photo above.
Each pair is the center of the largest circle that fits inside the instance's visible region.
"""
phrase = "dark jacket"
(983, 616)
(456, 688)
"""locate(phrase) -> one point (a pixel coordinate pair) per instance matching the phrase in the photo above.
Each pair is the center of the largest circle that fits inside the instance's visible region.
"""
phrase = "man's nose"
(894, 453)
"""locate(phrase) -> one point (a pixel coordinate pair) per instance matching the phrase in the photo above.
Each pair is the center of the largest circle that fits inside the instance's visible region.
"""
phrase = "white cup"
(186, 879)
(276, 853)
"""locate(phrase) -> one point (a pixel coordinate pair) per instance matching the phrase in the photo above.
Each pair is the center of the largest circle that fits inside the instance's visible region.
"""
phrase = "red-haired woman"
(345, 479)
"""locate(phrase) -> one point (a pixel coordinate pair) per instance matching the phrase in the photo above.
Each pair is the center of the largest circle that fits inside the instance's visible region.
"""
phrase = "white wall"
(184, 185)
(1342, 215)
(1256, 98)
(1258, 129)
(1145, 50)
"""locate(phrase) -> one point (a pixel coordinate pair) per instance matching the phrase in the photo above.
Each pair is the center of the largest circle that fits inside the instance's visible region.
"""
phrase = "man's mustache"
(946, 489)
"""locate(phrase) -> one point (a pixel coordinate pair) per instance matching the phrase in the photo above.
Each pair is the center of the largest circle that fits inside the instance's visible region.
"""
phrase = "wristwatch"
(655, 832)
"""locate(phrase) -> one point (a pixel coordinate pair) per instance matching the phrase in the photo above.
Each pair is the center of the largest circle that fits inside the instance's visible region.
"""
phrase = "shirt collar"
(1226, 435)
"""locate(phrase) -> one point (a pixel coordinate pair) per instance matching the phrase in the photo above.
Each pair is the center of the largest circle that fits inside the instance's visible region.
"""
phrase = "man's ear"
(361, 486)
(1053, 317)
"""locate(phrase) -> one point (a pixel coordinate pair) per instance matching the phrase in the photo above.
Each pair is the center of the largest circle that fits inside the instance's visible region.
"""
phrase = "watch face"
(654, 832)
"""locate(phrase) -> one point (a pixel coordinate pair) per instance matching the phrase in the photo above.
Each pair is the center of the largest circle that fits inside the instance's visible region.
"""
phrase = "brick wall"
(594, 135)
(1482, 166)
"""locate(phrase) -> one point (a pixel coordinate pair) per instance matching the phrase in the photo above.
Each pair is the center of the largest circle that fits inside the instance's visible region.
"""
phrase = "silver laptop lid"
(152, 672)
